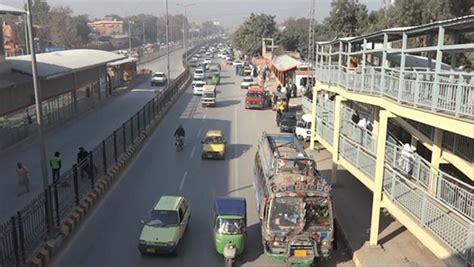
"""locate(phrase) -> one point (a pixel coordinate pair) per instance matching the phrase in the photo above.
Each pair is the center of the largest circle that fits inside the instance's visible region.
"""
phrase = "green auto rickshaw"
(215, 79)
(230, 227)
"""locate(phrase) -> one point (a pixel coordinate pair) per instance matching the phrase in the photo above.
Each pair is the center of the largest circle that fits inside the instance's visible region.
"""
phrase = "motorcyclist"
(179, 134)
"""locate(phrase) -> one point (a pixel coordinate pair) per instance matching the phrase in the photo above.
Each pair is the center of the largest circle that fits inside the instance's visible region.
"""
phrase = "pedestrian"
(288, 96)
(278, 88)
(288, 90)
(278, 117)
(294, 89)
(23, 180)
(83, 162)
(362, 123)
(355, 117)
(406, 159)
(55, 164)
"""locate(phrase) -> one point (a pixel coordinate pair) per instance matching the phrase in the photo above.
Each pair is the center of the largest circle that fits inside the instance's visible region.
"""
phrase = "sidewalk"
(87, 131)
(353, 201)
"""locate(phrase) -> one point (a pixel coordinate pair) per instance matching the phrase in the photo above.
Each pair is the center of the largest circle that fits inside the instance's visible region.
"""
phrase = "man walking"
(83, 161)
(55, 164)
(23, 181)
(278, 117)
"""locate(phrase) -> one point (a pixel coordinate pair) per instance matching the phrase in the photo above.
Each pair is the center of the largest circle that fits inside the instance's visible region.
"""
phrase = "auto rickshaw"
(230, 227)
(247, 71)
(279, 101)
(215, 79)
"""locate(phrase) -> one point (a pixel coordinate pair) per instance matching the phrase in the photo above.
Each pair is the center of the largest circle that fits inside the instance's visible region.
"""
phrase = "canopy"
(235, 206)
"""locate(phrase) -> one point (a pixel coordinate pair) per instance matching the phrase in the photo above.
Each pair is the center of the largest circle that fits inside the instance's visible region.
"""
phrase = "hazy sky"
(229, 12)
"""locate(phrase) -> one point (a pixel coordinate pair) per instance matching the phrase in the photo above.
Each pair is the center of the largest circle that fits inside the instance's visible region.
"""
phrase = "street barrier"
(78, 186)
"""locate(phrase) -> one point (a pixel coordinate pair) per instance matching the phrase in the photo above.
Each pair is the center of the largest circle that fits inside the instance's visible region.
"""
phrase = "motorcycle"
(179, 143)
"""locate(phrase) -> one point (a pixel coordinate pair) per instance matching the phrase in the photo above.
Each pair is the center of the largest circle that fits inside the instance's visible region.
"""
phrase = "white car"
(199, 74)
(303, 128)
(207, 61)
(158, 79)
(247, 81)
(238, 63)
(198, 87)
(196, 80)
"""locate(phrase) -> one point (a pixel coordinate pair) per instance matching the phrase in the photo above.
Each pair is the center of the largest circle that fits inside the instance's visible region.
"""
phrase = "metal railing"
(427, 212)
(307, 104)
(453, 94)
(357, 155)
(361, 136)
(31, 225)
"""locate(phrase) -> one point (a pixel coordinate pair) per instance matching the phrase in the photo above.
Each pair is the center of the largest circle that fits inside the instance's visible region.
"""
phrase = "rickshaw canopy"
(234, 206)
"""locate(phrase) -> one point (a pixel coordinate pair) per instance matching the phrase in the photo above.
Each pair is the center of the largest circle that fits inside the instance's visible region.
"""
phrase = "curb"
(51, 246)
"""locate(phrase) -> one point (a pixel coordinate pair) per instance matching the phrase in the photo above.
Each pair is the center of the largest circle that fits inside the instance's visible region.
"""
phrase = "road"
(87, 130)
(109, 236)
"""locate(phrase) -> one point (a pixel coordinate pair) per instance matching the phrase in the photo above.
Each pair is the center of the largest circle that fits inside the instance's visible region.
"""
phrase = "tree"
(248, 37)
(40, 11)
(83, 30)
(294, 36)
(346, 18)
(61, 24)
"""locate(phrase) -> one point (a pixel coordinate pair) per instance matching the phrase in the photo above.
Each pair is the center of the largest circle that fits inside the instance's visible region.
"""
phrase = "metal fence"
(453, 94)
(31, 225)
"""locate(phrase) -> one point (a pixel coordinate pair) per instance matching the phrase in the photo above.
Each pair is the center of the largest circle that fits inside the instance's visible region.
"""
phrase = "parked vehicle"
(288, 122)
(247, 82)
(293, 202)
(256, 98)
(230, 227)
(165, 226)
(279, 101)
(303, 128)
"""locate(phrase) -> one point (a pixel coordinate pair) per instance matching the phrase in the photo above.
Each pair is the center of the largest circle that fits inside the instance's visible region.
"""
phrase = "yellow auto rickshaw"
(279, 101)
(247, 71)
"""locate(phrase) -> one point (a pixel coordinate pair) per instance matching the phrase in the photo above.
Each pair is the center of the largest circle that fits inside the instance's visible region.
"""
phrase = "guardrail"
(453, 94)
(30, 226)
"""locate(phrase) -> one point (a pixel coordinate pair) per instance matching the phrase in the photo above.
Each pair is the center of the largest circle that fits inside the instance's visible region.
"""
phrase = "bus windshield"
(285, 212)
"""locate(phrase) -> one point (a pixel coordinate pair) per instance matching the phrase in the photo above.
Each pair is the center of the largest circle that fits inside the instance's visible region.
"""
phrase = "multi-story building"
(396, 109)
(107, 26)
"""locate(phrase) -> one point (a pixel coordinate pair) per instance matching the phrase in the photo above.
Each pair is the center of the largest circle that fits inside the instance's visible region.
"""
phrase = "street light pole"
(130, 38)
(167, 47)
(185, 6)
(39, 109)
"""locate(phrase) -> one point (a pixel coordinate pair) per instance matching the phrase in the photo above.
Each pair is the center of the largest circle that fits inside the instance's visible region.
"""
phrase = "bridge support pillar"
(335, 138)
(379, 175)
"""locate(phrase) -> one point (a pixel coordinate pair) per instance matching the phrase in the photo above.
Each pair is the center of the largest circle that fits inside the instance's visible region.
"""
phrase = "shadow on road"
(236, 150)
(226, 103)
(252, 250)
(226, 83)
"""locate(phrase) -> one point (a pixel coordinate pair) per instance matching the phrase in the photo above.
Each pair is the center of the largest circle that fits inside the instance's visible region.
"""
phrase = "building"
(284, 67)
(411, 141)
(107, 26)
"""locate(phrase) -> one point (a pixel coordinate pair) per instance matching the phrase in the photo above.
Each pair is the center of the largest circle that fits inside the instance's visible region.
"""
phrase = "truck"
(208, 97)
(293, 202)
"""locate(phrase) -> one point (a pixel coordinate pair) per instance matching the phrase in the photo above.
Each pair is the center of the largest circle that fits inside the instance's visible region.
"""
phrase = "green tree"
(248, 37)
(346, 18)
(63, 27)
(83, 30)
(40, 11)
(294, 36)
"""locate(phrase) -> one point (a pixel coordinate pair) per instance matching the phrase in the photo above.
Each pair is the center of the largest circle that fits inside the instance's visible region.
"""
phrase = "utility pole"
(167, 46)
(143, 31)
(39, 112)
(311, 30)
(25, 22)
(129, 38)
(185, 6)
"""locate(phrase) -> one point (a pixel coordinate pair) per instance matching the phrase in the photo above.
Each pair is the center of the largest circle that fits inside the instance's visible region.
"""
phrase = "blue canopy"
(236, 206)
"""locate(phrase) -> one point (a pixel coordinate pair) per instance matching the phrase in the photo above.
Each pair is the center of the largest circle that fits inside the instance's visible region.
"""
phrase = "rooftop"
(285, 62)
(59, 63)
(168, 203)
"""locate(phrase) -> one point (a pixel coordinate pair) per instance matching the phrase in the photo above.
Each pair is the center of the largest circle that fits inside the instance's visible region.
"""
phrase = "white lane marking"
(204, 117)
(182, 181)
(199, 133)
(192, 152)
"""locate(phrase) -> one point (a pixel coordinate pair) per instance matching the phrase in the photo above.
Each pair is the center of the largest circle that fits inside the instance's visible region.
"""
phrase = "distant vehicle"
(288, 122)
(199, 74)
(207, 61)
(164, 228)
(256, 98)
(195, 80)
(213, 145)
(238, 63)
(229, 61)
(208, 97)
(303, 128)
(198, 87)
(158, 79)
(246, 82)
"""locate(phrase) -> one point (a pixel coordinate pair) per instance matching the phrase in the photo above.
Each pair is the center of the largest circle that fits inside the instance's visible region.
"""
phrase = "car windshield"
(199, 85)
(317, 212)
(255, 94)
(248, 79)
(285, 213)
(163, 218)
(159, 75)
(213, 140)
(208, 95)
(230, 226)
(199, 71)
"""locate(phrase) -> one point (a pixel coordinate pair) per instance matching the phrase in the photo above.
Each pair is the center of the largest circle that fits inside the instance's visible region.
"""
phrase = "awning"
(284, 63)
(122, 61)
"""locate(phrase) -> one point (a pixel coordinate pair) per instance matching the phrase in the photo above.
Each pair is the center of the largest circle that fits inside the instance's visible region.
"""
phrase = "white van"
(198, 87)
(303, 128)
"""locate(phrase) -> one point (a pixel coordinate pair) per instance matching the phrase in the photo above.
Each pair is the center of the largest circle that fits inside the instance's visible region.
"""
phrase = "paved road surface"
(109, 237)
(87, 131)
